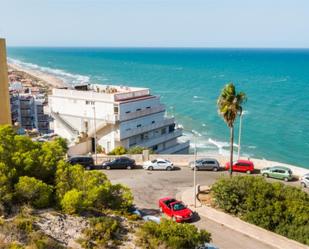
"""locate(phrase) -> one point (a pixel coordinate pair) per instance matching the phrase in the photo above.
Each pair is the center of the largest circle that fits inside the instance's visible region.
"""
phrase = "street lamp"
(194, 173)
(239, 133)
(95, 132)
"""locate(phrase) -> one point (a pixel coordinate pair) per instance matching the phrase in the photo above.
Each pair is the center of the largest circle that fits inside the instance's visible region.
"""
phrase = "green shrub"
(171, 235)
(92, 190)
(33, 191)
(72, 202)
(102, 231)
(273, 206)
(39, 240)
(118, 151)
(138, 150)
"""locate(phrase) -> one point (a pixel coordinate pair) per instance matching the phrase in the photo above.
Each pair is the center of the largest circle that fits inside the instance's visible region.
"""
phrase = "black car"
(119, 163)
(86, 161)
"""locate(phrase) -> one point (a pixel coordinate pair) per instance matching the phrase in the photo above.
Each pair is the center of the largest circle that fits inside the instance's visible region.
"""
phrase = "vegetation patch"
(171, 235)
(274, 206)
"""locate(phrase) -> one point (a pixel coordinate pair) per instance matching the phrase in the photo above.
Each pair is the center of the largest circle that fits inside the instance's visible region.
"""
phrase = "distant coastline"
(49, 80)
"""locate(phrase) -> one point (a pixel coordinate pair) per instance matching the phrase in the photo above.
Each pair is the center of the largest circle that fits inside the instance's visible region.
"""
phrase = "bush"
(118, 151)
(72, 202)
(39, 240)
(171, 235)
(138, 150)
(92, 190)
(33, 191)
(102, 231)
(273, 206)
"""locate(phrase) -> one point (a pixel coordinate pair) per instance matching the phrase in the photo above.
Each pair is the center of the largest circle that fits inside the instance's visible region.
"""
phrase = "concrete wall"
(183, 161)
(5, 108)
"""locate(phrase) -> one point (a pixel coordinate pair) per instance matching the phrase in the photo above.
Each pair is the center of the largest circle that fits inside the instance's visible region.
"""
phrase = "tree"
(229, 106)
(35, 192)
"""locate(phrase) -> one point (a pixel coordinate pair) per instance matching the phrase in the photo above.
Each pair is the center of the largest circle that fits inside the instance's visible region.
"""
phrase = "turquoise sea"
(276, 81)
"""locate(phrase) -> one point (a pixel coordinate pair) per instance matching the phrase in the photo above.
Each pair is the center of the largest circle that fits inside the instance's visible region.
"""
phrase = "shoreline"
(52, 81)
(47, 79)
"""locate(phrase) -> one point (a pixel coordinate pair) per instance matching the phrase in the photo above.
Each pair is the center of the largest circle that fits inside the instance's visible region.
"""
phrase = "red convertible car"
(175, 209)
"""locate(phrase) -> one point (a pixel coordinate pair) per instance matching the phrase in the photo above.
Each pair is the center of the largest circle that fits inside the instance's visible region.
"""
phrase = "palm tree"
(229, 106)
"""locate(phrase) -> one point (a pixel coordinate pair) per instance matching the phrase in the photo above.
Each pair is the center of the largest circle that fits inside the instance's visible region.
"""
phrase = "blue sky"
(156, 23)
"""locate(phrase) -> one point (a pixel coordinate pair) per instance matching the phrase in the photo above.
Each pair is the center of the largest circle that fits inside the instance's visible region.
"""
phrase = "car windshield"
(178, 206)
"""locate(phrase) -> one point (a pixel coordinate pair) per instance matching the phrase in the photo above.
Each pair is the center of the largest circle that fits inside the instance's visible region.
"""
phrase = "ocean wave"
(65, 76)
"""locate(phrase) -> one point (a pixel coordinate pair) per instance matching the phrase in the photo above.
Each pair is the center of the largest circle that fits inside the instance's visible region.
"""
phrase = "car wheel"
(150, 168)
(129, 167)
(169, 168)
(303, 184)
(248, 172)
(215, 169)
(265, 175)
(108, 167)
(286, 179)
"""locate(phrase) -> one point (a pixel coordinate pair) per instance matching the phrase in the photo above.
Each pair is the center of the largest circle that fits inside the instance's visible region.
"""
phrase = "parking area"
(149, 186)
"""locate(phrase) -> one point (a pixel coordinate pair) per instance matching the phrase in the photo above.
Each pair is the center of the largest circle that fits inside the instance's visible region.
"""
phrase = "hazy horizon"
(156, 23)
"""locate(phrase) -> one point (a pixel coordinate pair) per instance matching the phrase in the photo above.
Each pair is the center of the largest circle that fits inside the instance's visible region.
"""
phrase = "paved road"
(149, 186)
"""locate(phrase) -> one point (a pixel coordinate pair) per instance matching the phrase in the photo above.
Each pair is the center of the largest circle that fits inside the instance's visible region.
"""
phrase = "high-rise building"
(5, 112)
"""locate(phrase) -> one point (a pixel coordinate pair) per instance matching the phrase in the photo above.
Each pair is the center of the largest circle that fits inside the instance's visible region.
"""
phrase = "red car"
(175, 209)
(241, 166)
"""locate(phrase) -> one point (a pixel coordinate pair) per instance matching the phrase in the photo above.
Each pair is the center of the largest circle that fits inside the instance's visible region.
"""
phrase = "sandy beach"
(50, 80)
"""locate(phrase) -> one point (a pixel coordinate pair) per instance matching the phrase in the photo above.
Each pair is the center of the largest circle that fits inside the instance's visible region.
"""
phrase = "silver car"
(304, 181)
(206, 164)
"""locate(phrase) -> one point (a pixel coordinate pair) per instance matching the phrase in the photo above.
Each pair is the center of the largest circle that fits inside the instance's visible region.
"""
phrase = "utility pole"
(95, 132)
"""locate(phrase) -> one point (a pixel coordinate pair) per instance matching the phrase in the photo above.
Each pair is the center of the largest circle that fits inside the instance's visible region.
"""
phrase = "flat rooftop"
(116, 93)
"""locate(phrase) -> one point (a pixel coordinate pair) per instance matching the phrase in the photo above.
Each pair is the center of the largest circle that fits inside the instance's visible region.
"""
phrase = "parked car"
(205, 164)
(175, 209)
(120, 163)
(158, 164)
(241, 166)
(278, 172)
(86, 161)
(207, 246)
(304, 180)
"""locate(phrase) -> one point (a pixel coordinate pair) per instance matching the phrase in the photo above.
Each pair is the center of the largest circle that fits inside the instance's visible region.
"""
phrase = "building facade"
(27, 110)
(116, 116)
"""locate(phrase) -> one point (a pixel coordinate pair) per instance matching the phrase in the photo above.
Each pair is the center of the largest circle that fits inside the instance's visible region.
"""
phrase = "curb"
(253, 231)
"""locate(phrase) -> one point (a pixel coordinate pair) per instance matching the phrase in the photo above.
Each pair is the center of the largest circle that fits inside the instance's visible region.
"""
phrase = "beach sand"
(50, 80)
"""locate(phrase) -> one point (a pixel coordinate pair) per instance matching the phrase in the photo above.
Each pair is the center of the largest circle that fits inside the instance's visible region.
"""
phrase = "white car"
(158, 163)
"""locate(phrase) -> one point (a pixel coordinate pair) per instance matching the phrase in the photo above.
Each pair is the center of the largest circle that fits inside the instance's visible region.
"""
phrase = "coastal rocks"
(65, 229)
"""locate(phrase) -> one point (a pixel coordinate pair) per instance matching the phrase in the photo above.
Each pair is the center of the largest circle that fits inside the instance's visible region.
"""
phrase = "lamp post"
(194, 171)
(95, 133)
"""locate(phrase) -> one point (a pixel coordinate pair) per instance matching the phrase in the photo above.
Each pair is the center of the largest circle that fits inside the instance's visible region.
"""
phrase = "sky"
(156, 23)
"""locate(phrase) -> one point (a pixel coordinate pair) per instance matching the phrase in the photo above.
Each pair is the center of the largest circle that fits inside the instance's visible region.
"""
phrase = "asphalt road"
(149, 186)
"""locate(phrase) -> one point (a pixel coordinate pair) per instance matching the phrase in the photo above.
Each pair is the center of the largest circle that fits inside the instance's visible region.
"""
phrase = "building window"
(148, 107)
(138, 109)
(116, 109)
(153, 121)
(86, 125)
(163, 131)
(128, 111)
(155, 147)
(171, 128)
(139, 125)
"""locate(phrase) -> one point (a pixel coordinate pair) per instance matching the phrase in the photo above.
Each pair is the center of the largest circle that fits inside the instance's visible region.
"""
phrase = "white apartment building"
(119, 116)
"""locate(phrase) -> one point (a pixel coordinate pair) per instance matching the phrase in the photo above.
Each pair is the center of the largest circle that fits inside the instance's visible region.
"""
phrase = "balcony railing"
(162, 138)
(140, 130)
(141, 113)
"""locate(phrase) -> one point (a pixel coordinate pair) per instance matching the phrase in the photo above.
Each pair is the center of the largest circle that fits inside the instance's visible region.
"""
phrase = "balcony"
(178, 147)
(140, 130)
(161, 139)
(141, 113)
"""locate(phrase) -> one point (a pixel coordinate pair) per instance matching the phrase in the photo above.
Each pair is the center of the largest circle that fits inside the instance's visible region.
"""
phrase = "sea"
(275, 124)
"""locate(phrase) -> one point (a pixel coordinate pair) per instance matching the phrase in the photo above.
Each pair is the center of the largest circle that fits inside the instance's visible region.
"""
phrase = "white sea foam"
(67, 77)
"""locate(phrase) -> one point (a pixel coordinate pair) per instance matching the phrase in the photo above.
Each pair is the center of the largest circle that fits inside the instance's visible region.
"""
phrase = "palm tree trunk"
(231, 149)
